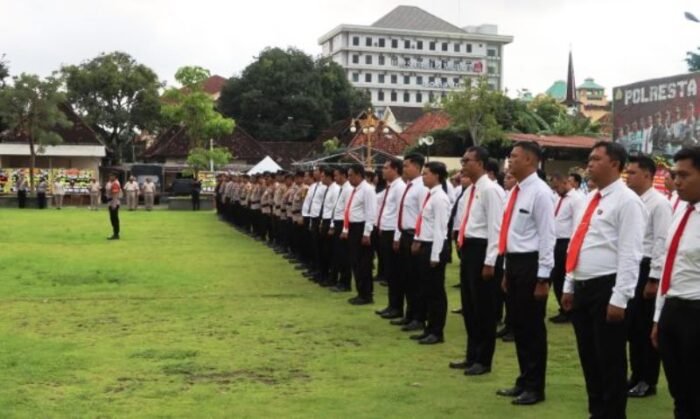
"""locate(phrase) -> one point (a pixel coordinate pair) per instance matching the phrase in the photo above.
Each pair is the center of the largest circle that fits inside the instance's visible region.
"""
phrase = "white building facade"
(410, 58)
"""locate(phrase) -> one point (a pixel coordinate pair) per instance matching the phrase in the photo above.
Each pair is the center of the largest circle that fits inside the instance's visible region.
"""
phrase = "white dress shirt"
(660, 215)
(686, 266)
(363, 208)
(486, 215)
(451, 192)
(310, 196)
(339, 207)
(380, 198)
(532, 223)
(613, 243)
(412, 203)
(329, 202)
(572, 206)
(317, 200)
(461, 203)
(390, 214)
(435, 216)
(675, 201)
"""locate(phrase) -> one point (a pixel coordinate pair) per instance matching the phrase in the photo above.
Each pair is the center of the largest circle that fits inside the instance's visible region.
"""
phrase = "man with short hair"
(602, 266)
(341, 273)
(132, 193)
(325, 241)
(22, 188)
(59, 192)
(149, 190)
(115, 195)
(94, 189)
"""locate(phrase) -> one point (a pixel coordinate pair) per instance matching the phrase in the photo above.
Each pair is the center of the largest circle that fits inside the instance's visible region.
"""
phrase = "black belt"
(598, 281)
(524, 255)
(682, 302)
(409, 231)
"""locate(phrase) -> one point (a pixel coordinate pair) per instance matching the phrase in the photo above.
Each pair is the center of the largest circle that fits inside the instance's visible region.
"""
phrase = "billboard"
(657, 116)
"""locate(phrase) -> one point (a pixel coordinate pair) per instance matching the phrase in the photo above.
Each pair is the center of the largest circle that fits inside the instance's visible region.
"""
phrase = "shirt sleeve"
(493, 202)
(631, 226)
(660, 300)
(370, 211)
(441, 213)
(544, 222)
(661, 220)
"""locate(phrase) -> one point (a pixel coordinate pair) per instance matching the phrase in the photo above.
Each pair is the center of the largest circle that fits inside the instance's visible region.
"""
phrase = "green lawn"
(185, 317)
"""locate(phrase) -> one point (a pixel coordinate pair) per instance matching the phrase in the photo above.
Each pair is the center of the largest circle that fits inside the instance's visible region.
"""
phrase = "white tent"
(265, 165)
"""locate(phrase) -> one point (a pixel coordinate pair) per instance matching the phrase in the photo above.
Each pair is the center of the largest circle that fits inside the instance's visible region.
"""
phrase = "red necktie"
(556, 213)
(381, 210)
(463, 226)
(403, 197)
(580, 234)
(673, 250)
(346, 218)
(505, 224)
(419, 221)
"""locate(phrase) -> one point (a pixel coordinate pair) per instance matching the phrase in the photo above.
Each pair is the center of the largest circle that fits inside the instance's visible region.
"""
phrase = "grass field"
(185, 317)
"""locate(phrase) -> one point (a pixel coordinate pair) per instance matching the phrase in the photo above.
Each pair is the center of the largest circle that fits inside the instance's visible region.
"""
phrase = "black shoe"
(457, 286)
(413, 326)
(460, 365)
(528, 398)
(560, 318)
(382, 311)
(641, 390)
(510, 392)
(418, 337)
(457, 311)
(383, 283)
(392, 314)
(508, 337)
(431, 340)
(115, 237)
(360, 301)
(504, 331)
(400, 322)
(477, 369)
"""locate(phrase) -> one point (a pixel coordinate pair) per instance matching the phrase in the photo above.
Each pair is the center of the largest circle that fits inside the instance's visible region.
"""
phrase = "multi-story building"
(409, 57)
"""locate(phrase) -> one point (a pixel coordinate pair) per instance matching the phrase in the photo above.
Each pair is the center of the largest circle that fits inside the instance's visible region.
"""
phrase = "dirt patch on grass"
(193, 373)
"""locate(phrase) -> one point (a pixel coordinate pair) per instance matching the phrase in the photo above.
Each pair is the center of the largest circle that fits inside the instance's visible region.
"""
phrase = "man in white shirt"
(58, 193)
(314, 182)
(358, 223)
(132, 193)
(94, 188)
(149, 191)
(325, 241)
(477, 242)
(602, 268)
(567, 209)
(408, 284)
(677, 330)
(387, 218)
(526, 238)
(644, 359)
(341, 273)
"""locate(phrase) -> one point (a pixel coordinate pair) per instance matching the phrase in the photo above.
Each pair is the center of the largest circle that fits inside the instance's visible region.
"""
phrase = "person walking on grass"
(114, 195)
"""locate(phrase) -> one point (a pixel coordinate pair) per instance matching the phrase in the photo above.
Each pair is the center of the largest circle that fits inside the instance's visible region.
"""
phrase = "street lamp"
(427, 142)
(369, 126)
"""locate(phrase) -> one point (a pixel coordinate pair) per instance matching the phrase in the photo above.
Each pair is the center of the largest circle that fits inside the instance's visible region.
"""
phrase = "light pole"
(369, 126)
(427, 142)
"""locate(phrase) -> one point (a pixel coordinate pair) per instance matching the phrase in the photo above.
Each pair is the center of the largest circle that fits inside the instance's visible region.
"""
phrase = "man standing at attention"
(115, 194)
(132, 193)
(149, 190)
(94, 188)
(602, 267)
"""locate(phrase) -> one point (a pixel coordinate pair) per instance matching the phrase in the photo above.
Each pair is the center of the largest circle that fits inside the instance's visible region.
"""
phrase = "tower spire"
(571, 99)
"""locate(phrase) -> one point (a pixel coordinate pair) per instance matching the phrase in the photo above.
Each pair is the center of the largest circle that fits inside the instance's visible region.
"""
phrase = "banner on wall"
(75, 181)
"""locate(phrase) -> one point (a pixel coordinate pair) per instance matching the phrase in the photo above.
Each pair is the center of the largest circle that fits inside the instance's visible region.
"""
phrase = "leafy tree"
(578, 124)
(474, 110)
(30, 107)
(331, 145)
(199, 159)
(117, 96)
(194, 109)
(547, 108)
(693, 61)
(285, 94)
(4, 70)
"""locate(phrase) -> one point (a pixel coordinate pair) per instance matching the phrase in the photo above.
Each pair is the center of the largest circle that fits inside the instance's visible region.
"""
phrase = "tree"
(693, 61)
(331, 145)
(474, 110)
(194, 109)
(4, 70)
(200, 158)
(30, 107)
(547, 108)
(115, 95)
(285, 94)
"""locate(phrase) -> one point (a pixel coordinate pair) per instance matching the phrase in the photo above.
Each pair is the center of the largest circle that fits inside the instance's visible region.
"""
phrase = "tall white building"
(409, 57)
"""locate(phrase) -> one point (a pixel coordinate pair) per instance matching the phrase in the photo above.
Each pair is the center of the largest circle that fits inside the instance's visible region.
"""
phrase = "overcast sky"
(614, 41)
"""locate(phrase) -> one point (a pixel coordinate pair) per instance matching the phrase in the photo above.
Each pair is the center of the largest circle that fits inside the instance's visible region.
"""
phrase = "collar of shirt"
(612, 188)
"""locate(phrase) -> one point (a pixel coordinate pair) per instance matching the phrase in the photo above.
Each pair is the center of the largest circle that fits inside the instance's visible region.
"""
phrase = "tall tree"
(194, 109)
(693, 61)
(30, 107)
(117, 96)
(474, 110)
(285, 94)
(4, 70)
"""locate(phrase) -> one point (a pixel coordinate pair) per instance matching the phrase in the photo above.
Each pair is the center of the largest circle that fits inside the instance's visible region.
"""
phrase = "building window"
(491, 52)
(444, 46)
(469, 48)
(368, 78)
(431, 80)
(492, 69)
(419, 80)
(419, 45)
(356, 41)
(380, 96)
(380, 78)
(492, 86)
(368, 59)
(382, 42)
(355, 77)
(443, 64)
(406, 97)
(381, 60)
(444, 81)
(431, 63)
(419, 97)
(394, 79)
(406, 79)
(368, 41)
(394, 43)
(432, 45)
(407, 44)
(394, 97)
(458, 47)
(407, 62)
(431, 97)
(356, 59)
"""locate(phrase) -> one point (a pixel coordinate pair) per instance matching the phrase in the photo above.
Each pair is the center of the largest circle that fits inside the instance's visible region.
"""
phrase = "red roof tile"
(80, 133)
(214, 84)
(427, 123)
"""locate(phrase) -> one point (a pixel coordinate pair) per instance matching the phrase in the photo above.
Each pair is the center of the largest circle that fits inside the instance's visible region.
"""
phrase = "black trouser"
(340, 270)
(558, 274)
(41, 200)
(409, 281)
(644, 358)
(314, 244)
(390, 260)
(376, 250)
(360, 260)
(114, 219)
(433, 280)
(504, 312)
(679, 345)
(601, 348)
(195, 200)
(22, 198)
(305, 242)
(219, 204)
(478, 303)
(325, 248)
(528, 320)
